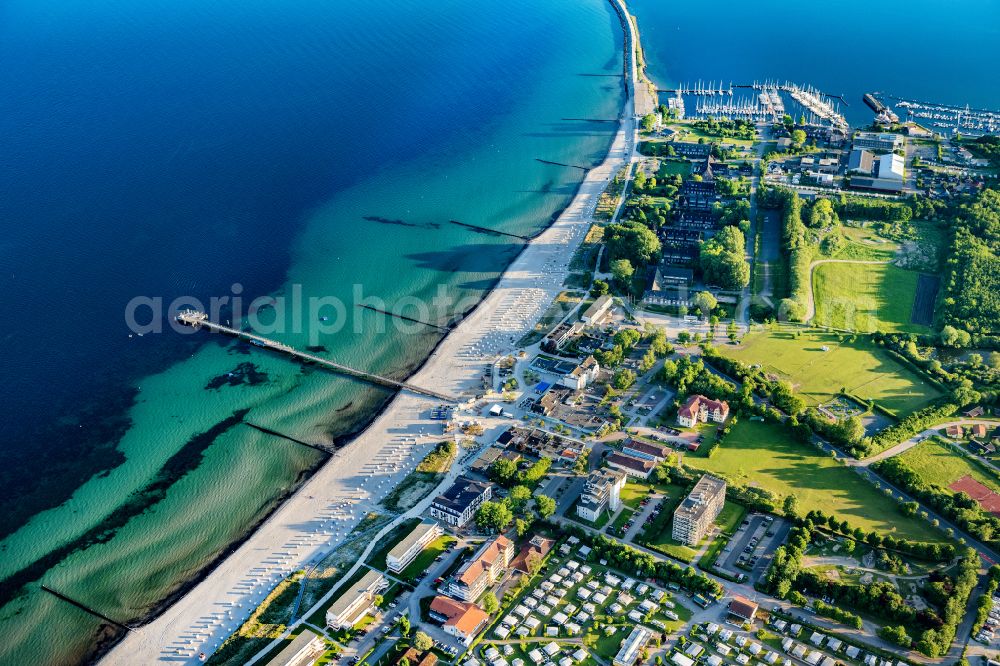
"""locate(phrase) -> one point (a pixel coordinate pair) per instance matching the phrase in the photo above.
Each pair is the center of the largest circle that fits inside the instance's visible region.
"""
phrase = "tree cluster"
(972, 273)
(723, 259)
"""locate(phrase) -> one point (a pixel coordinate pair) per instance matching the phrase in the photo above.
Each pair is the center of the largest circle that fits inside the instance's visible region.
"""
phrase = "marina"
(773, 99)
(946, 118)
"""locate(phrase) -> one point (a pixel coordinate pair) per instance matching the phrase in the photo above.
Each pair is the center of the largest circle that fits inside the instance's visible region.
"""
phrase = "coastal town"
(737, 405)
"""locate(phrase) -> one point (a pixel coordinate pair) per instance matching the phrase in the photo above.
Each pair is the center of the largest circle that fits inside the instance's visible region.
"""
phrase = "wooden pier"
(196, 319)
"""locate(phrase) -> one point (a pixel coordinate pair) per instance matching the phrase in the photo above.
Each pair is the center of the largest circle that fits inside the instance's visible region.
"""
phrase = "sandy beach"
(349, 485)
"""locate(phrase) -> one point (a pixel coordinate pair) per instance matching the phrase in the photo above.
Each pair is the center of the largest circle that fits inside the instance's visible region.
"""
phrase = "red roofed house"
(461, 619)
(979, 430)
(743, 608)
(698, 408)
(954, 431)
(531, 552)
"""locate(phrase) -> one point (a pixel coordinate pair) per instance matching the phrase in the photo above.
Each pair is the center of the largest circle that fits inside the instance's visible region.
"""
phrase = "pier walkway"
(196, 319)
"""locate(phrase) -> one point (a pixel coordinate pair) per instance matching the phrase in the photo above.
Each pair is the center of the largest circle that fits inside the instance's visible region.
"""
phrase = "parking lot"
(749, 550)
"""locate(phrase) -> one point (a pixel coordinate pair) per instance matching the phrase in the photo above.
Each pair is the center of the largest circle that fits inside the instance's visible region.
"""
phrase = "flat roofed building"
(305, 650)
(881, 141)
(356, 602)
(560, 335)
(638, 467)
(693, 517)
(633, 646)
(404, 552)
(597, 309)
(486, 567)
(602, 492)
(458, 504)
(582, 375)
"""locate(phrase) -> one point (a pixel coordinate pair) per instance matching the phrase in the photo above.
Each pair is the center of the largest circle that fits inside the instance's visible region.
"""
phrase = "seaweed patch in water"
(244, 373)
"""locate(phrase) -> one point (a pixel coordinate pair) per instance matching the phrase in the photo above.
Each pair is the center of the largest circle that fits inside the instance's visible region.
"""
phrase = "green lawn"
(670, 167)
(426, 557)
(860, 367)
(937, 462)
(634, 492)
(865, 297)
(765, 455)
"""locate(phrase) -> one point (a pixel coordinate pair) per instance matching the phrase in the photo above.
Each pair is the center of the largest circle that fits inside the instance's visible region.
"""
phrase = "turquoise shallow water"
(169, 149)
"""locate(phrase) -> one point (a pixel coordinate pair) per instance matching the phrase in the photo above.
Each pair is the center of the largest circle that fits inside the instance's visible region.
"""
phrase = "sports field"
(860, 367)
(764, 455)
(937, 462)
(865, 297)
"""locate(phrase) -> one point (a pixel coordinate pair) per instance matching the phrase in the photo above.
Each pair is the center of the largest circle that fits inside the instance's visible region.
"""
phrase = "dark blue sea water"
(917, 49)
(165, 149)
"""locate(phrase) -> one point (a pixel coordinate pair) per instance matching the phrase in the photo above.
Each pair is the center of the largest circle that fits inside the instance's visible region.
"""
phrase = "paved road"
(916, 439)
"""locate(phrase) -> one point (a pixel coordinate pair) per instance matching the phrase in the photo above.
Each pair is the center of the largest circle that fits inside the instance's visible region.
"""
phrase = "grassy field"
(426, 557)
(860, 367)
(865, 297)
(765, 456)
(634, 492)
(863, 243)
(937, 462)
(669, 167)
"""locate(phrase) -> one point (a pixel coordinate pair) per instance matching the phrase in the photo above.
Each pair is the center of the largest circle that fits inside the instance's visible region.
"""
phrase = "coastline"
(529, 282)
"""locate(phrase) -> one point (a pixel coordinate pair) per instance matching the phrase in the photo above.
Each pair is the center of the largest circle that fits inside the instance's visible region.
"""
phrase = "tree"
(994, 360)
(631, 240)
(518, 496)
(623, 271)
(623, 379)
(599, 288)
(546, 505)
(627, 338)
(403, 662)
(521, 526)
(422, 641)
(648, 122)
(723, 259)
(489, 603)
(378, 600)
(705, 302)
(503, 471)
(494, 516)
(798, 138)
(822, 214)
(404, 625)
(791, 506)
(954, 337)
(732, 331)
